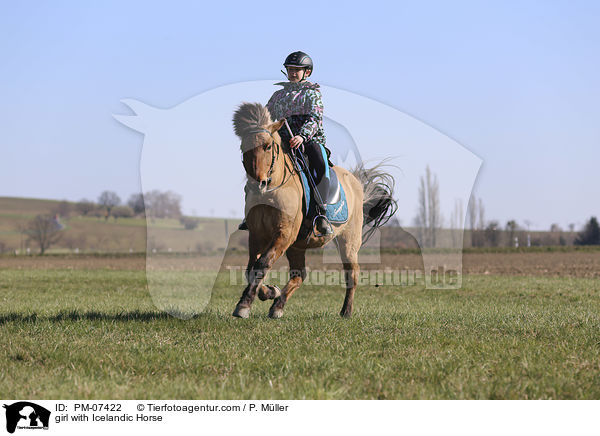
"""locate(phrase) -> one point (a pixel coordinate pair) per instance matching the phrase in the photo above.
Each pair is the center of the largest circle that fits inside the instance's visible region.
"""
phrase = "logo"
(26, 415)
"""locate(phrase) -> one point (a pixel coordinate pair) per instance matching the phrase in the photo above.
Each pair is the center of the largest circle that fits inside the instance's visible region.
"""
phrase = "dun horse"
(274, 212)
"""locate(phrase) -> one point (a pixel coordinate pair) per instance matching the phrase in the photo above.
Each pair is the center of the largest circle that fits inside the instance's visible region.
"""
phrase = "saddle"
(336, 209)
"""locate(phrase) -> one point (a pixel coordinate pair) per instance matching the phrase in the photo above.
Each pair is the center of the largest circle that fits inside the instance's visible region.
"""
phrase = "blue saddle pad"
(335, 213)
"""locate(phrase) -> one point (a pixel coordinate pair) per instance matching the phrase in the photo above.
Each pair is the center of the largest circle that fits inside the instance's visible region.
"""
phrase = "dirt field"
(552, 264)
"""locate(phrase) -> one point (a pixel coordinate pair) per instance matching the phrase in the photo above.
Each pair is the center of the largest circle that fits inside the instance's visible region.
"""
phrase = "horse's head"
(261, 144)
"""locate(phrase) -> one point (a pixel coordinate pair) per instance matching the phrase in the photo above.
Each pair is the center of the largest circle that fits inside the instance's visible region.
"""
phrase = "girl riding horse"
(300, 103)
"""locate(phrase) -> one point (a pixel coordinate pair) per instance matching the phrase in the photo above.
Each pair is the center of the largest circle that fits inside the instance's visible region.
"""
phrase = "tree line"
(46, 229)
(481, 232)
(155, 204)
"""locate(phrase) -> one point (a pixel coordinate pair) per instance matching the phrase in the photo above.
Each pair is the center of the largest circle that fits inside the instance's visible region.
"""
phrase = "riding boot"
(323, 226)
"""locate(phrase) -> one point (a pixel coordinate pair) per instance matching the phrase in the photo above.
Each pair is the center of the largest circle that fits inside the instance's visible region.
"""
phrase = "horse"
(274, 212)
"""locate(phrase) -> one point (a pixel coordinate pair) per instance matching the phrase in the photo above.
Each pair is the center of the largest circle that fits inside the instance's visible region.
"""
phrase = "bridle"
(275, 149)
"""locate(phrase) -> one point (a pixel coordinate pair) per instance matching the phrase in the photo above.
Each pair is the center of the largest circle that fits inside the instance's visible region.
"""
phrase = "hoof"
(345, 314)
(241, 312)
(273, 292)
(275, 313)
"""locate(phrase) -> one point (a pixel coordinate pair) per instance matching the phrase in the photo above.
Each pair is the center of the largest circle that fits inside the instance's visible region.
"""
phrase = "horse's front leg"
(297, 260)
(258, 271)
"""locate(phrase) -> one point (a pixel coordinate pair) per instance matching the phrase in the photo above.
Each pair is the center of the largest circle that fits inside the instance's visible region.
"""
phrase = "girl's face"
(296, 74)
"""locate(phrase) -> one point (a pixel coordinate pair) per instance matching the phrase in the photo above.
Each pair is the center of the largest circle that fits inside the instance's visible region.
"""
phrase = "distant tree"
(472, 212)
(136, 202)
(555, 228)
(163, 204)
(189, 223)
(590, 234)
(44, 230)
(85, 206)
(511, 229)
(571, 227)
(476, 216)
(492, 235)
(122, 212)
(428, 219)
(63, 209)
(457, 223)
(109, 199)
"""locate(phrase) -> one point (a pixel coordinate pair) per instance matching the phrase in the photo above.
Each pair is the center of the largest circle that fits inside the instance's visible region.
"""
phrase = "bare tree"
(109, 199)
(511, 229)
(476, 214)
(481, 224)
(85, 206)
(163, 204)
(44, 230)
(472, 212)
(457, 222)
(428, 219)
(136, 202)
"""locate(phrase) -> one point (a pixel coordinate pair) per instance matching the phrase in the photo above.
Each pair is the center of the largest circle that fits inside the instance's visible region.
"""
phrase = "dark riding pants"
(319, 167)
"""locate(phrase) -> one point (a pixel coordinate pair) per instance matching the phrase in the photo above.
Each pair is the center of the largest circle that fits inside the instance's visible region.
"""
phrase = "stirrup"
(324, 230)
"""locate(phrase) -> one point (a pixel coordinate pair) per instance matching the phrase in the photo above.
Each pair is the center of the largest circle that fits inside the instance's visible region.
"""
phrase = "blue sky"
(515, 82)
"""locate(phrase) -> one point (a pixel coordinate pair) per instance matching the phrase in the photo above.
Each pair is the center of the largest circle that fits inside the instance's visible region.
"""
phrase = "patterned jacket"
(301, 104)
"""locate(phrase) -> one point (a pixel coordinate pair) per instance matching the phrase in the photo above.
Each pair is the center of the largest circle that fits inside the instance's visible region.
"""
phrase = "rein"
(274, 154)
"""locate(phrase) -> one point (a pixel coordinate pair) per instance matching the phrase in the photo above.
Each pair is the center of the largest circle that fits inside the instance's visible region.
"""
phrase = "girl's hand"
(296, 141)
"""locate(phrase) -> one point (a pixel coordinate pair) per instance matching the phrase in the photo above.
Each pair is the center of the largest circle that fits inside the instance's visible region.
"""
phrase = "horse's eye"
(267, 147)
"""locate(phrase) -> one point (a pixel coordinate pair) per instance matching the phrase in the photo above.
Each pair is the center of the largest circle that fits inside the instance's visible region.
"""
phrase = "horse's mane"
(249, 116)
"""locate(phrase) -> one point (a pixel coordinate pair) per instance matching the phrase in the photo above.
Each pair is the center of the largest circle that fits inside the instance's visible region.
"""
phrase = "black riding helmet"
(299, 59)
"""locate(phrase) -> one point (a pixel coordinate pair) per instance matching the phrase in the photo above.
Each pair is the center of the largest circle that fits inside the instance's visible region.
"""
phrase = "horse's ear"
(274, 127)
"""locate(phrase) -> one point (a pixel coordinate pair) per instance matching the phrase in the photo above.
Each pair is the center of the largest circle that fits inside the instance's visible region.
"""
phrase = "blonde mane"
(250, 116)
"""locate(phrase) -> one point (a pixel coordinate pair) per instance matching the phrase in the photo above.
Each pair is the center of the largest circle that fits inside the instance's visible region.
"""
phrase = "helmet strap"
(303, 74)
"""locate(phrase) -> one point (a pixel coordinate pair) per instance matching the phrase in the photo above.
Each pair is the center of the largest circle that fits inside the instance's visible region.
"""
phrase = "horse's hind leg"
(297, 260)
(349, 246)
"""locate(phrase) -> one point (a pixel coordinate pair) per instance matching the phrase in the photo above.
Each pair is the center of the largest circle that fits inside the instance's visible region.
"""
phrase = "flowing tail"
(378, 203)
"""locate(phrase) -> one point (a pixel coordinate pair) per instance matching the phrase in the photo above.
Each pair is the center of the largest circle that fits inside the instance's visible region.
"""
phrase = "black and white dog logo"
(26, 415)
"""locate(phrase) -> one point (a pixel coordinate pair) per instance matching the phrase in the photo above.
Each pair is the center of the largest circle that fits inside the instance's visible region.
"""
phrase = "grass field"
(96, 334)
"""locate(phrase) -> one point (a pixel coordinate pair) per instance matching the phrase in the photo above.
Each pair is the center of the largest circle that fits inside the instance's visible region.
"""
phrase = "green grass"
(97, 334)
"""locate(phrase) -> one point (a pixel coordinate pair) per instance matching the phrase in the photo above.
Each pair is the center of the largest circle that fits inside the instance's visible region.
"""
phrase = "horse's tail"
(378, 202)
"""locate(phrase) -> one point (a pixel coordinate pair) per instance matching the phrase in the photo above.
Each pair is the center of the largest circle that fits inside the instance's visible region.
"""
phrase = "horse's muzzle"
(263, 185)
